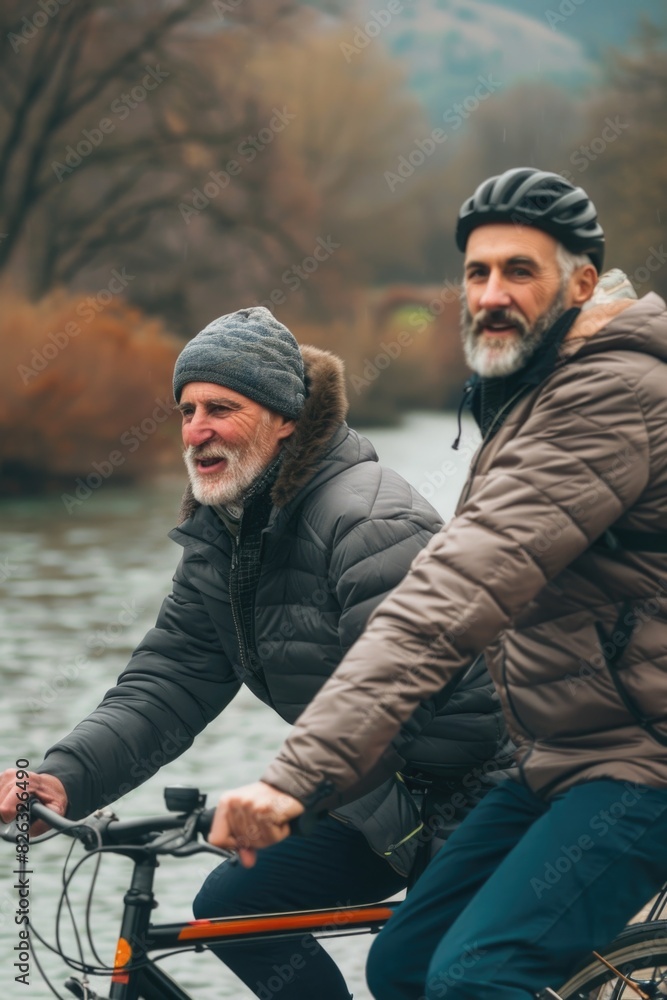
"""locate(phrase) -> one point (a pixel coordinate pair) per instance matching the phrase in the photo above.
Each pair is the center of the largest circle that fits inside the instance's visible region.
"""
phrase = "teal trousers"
(522, 891)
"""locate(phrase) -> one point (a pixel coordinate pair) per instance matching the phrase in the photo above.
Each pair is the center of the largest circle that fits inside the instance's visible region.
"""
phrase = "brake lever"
(187, 849)
(175, 842)
(185, 843)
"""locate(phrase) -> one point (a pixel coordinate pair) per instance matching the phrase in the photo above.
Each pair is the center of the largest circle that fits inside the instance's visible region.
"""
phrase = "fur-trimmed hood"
(324, 411)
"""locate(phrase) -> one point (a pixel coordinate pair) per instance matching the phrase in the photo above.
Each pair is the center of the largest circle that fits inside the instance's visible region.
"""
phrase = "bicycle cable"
(89, 901)
(89, 904)
(35, 933)
(73, 963)
(44, 975)
(81, 965)
(65, 897)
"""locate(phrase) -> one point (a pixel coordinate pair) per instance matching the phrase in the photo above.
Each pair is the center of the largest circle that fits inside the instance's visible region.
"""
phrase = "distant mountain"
(450, 46)
(597, 24)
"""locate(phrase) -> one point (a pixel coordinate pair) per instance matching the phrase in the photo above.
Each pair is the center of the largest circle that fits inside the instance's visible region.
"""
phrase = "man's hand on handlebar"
(256, 815)
(45, 787)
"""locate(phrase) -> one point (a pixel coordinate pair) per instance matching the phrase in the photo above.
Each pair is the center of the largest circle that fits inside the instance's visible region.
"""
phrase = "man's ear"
(582, 284)
(286, 428)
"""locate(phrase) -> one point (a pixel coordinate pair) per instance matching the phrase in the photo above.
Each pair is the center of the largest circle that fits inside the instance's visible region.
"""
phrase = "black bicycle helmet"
(537, 198)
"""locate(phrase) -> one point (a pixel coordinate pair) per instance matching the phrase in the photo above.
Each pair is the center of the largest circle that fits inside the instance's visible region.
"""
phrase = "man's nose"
(495, 294)
(197, 431)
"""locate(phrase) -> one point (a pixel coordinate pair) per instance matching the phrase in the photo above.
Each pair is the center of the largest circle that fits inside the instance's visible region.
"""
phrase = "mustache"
(506, 316)
(203, 451)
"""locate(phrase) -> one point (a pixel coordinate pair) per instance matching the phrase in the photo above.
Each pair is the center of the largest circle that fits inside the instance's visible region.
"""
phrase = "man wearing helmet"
(556, 566)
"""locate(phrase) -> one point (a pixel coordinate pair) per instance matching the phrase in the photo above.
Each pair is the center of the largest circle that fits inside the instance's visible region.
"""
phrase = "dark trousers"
(522, 891)
(334, 867)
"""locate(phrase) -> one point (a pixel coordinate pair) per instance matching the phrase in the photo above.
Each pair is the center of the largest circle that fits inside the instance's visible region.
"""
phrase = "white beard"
(245, 463)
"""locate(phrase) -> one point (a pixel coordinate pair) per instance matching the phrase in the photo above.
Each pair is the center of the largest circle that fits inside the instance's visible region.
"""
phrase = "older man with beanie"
(556, 566)
(292, 533)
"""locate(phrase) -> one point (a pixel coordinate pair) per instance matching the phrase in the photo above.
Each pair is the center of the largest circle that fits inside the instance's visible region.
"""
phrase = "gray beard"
(244, 466)
(230, 486)
(492, 361)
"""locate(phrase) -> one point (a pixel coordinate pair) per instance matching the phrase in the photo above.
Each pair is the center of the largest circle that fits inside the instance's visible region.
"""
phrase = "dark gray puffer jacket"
(342, 532)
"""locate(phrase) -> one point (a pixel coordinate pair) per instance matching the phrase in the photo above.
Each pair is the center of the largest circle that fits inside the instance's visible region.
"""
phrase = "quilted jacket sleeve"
(552, 490)
(176, 682)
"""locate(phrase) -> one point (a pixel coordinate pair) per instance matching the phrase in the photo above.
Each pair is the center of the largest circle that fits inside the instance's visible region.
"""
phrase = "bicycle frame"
(138, 937)
(134, 974)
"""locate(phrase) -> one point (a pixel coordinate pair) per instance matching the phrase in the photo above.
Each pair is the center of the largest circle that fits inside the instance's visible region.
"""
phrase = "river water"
(78, 590)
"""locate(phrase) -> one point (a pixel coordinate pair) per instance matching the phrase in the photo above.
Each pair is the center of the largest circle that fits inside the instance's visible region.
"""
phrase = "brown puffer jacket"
(522, 572)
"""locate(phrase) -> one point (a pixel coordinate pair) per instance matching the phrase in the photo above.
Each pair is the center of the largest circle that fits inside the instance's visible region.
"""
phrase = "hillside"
(449, 45)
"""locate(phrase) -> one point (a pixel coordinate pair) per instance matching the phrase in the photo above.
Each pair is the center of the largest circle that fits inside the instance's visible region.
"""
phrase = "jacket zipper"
(233, 600)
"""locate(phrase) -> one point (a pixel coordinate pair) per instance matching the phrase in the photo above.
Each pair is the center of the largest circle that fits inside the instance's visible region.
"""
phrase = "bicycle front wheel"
(638, 955)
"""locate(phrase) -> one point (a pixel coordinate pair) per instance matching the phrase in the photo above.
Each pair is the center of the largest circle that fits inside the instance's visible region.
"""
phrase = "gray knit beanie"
(248, 351)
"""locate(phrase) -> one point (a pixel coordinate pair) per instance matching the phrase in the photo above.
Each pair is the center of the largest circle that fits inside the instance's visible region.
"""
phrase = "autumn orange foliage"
(86, 388)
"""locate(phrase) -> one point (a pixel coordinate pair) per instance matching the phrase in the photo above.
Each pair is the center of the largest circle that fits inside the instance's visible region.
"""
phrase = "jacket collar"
(322, 415)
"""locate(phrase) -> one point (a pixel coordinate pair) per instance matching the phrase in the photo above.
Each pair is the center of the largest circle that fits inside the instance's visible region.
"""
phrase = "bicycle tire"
(640, 948)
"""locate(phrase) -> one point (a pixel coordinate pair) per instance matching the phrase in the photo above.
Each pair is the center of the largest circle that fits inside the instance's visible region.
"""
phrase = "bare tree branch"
(42, 70)
(95, 83)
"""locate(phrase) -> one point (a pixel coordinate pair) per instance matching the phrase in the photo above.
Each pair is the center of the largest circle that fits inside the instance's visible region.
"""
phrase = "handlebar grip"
(205, 821)
(80, 831)
(302, 825)
(37, 811)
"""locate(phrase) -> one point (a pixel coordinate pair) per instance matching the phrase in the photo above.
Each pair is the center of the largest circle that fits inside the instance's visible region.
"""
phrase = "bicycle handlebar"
(118, 831)
(169, 833)
(303, 825)
(159, 834)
